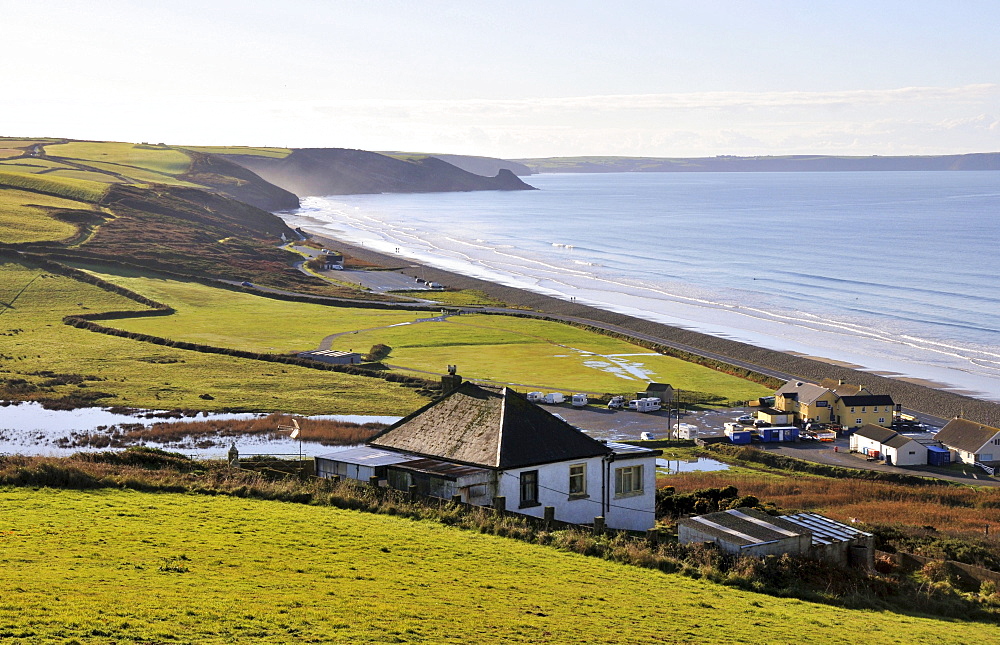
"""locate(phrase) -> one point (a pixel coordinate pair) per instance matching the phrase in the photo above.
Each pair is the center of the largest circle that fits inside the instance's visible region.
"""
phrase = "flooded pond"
(703, 464)
(30, 429)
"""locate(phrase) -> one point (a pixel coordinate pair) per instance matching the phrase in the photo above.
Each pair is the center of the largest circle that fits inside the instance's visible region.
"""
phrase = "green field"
(83, 190)
(158, 159)
(111, 566)
(139, 374)
(26, 217)
(501, 348)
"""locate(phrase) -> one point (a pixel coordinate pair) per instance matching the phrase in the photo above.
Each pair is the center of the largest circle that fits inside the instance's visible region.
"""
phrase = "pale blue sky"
(510, 78)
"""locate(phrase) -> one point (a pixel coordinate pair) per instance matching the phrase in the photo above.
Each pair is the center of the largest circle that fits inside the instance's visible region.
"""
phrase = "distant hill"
(486, 166)
(791, 163)
(338, 171)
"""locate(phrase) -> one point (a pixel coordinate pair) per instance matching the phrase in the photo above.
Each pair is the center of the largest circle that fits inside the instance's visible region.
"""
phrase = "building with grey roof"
(747, 531)
(482, 442)
(971, 442)
(889, 446)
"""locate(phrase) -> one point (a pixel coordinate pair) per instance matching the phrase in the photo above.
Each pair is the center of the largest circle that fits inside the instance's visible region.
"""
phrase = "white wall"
(902, 456)
(859, 443)
(635, 512)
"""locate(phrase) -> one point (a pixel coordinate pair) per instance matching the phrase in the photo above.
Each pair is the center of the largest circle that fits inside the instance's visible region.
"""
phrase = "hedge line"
(85, 321)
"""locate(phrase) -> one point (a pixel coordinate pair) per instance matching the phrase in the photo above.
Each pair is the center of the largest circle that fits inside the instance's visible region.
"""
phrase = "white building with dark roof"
(889, 445)
(481, 443)
(971, 442)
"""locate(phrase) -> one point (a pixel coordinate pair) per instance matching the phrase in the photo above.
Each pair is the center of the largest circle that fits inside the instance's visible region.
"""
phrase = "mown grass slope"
(33, 217)
(41, 358)
(117, 566)
(503, 348)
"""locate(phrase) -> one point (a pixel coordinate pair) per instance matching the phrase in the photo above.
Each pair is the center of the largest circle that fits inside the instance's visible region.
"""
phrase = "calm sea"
(895, 272)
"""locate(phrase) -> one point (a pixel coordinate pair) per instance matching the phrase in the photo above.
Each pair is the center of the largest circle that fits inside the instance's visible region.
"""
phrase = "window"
(875, 409)
(628, 480)
(578, 480)
(821, 404)
(986, 456)
(862, 409)
(859, 421)
(852, 410)
(881, 419)
(529, 488)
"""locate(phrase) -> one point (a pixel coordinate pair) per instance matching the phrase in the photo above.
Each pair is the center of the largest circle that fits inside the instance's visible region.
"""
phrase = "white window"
(881, 419)
(852, 410)
(862, 410)
(628, 480)
(578, 480)
(859, 421)
(875, 409)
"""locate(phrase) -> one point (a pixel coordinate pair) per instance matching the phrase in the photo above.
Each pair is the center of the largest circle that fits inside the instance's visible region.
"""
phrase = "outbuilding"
(883, 443)
(971, 442)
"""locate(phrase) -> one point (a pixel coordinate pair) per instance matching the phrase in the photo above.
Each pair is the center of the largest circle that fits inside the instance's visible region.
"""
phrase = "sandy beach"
(921, 395)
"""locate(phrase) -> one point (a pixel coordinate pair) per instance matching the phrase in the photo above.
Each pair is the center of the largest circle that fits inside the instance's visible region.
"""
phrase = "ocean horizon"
(892, 272)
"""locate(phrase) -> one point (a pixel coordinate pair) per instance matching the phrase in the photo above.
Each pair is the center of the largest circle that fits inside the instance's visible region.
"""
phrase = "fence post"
(500, 503)
(412, 488)
(549, 516)
(653, 536)
(598, 525)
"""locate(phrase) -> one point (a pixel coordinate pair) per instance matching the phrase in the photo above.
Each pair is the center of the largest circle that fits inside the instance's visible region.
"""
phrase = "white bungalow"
(971, 442)
(481, 443)
(894, 448)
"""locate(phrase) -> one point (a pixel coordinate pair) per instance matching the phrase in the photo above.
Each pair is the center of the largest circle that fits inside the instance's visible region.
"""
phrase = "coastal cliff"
(338, 171)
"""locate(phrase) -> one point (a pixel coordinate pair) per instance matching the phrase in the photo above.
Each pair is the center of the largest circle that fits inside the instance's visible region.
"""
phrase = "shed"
(745, 531)
(836, 542)
(776, 417)
(938, 456)
(662, 391)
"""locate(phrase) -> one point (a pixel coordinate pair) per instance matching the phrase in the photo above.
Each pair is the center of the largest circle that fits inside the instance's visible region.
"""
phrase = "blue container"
(740, 437)
(938, 456)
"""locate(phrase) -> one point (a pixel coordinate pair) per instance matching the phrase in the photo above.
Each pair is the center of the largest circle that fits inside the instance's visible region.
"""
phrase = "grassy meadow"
(111, 566)
(124, 156)
(27, 217)
(38, 351)
(277, 153)
(501, 348)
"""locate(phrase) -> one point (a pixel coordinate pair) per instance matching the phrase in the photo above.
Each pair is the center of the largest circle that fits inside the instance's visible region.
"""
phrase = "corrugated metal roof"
(824, 530)
(445, 469)
(328, 352)
(626, 450)
(368, 456)
(744, 526)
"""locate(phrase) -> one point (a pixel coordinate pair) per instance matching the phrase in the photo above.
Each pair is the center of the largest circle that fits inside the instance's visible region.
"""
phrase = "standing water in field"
(889, 271)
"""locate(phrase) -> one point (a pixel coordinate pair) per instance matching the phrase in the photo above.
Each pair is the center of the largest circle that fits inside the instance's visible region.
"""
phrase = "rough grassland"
(502, 348)
(88, 191)
(26, 217)
(34, 339)
(119, 566)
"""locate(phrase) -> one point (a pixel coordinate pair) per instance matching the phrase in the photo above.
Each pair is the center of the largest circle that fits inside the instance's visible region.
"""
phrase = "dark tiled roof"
(966, 435)
(658, 387)
(744, 526)
(898, 441)
(875, 433)
(840, 389)
(495, 428)
(867, 399)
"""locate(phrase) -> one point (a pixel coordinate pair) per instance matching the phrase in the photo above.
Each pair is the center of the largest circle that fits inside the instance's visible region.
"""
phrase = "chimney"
(451, 380)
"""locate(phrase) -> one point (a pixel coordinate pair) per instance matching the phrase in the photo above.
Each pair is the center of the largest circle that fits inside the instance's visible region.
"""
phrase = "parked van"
(554, 398)
(616, 403)
(579, 400)
(535, 397)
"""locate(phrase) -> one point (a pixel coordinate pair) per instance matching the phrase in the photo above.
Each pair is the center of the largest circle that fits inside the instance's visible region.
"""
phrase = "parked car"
(616, 403)
(246, 284)
(746, 420)
(646, 436)
(760, 423)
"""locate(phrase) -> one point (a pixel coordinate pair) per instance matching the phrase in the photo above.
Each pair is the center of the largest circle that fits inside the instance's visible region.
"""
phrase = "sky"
(510, 79)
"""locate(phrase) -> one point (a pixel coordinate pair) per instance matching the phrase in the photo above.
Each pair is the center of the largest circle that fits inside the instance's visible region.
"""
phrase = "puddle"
(703, 464)
(30, 429)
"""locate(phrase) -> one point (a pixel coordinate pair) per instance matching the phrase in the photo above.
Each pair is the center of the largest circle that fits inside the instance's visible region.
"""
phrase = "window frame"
(525, 483)
(581, 479)
(631, 475)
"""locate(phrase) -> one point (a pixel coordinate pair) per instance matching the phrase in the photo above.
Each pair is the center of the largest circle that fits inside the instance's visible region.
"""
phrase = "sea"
(892, 272)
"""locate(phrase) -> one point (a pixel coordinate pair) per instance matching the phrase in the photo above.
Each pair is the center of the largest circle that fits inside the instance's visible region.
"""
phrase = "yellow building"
(851, 406)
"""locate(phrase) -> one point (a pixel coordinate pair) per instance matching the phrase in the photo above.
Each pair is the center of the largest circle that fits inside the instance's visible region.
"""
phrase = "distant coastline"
(789, 163)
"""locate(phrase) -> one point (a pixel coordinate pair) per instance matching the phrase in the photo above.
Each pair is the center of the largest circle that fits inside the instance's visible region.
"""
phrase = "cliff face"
(337, 171)
(236, 181)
